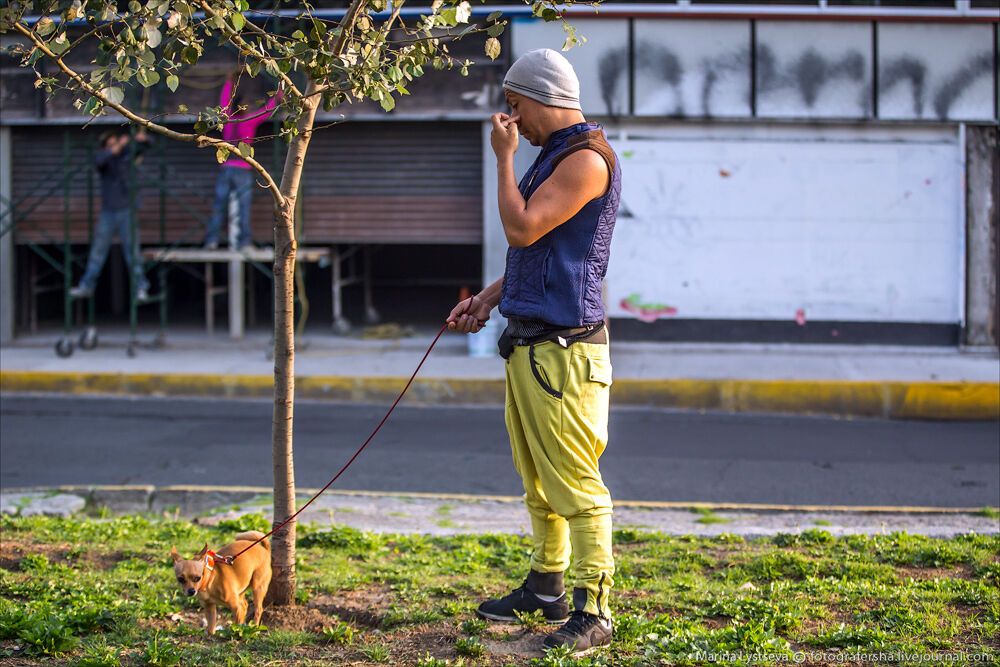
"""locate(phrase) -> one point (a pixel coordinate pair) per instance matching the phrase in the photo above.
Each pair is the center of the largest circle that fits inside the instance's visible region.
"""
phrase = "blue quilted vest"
(557, 278)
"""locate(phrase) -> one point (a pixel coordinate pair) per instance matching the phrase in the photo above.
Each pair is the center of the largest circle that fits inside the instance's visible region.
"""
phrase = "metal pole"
(7, 273)
(91, 307)
(67, 248)
(161, 270)
(133, 310)
(235, 272)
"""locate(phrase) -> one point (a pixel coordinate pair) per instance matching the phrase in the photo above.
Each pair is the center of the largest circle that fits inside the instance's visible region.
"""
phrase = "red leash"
(229, 559)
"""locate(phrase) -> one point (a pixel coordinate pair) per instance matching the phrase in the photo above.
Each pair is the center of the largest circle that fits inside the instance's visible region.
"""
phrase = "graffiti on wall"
(803, 70)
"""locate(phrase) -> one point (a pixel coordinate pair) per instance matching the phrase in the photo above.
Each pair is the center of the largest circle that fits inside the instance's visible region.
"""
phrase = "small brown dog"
(217, 582)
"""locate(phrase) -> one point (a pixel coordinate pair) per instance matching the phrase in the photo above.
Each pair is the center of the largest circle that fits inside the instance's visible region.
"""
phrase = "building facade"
(793, 172)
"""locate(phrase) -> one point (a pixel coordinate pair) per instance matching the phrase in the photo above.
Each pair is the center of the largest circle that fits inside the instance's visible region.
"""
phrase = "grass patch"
(990, 512)
(100, 592)
(707, 516)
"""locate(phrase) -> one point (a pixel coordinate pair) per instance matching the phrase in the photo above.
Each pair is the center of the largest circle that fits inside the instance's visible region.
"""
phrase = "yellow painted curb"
(897, 400)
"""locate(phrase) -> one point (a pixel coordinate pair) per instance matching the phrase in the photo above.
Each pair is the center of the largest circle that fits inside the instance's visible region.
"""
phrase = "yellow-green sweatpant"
(557, 418)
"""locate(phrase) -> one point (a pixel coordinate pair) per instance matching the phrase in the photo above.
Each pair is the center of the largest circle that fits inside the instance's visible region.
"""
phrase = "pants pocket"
(541, 377)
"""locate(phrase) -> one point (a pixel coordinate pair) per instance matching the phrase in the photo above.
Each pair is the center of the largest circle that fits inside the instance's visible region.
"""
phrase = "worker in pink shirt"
(236, 175)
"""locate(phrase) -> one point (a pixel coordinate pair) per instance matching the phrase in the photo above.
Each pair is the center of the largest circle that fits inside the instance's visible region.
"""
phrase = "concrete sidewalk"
(450, 514)
(874, 381)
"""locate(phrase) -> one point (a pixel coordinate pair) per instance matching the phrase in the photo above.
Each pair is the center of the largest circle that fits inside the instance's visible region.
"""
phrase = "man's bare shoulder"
(584, 169)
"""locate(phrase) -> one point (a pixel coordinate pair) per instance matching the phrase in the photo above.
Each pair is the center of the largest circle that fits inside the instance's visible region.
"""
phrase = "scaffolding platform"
(259, 257)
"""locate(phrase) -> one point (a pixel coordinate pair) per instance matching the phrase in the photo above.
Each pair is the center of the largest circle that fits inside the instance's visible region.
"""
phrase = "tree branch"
(397, 6)
(347, 25)
(199, 140)
(248, 50)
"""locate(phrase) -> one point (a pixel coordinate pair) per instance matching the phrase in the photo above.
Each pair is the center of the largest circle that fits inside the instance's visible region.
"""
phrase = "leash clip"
(211, 557)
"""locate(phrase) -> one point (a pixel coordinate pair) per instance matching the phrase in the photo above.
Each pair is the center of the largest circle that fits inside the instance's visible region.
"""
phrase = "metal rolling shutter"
(38, 156)
(364, 182)
(394, 182)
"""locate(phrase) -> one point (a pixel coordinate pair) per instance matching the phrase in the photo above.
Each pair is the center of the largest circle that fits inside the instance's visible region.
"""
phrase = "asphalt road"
(652, 455)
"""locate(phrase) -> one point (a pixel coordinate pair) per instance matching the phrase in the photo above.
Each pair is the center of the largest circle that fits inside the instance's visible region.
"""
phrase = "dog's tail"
(252, 535)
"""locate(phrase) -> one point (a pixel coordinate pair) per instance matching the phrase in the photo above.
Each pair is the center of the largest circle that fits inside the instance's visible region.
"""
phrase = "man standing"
(558, 222)
(113, 162)
(236, 175)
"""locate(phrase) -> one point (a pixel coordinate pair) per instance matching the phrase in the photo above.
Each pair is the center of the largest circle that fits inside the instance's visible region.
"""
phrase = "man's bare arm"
(580, 178)
(491, 294)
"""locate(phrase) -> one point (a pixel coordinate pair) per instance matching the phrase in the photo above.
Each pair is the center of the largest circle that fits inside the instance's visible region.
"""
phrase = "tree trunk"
(282, 590)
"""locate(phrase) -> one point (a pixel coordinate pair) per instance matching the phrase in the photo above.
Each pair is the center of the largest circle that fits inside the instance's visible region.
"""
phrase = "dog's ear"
(204, 550)
(173, 554)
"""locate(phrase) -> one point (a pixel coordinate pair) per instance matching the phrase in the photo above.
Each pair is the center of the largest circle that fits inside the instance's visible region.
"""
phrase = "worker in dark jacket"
(113, 164)
(558, 222)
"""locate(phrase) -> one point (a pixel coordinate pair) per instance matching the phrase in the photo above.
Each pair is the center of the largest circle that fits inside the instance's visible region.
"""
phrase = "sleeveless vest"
(557, 279)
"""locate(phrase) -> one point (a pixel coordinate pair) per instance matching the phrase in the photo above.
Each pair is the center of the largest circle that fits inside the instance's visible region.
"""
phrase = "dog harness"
(210, 559)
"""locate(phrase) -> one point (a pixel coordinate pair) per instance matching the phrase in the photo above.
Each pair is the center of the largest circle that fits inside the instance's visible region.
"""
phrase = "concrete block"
(123, 499)
(12, 503)
(61, 504)
(195, 500)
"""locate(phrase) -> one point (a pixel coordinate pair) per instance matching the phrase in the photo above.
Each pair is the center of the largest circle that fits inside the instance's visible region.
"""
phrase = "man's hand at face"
(117, 144)
(504, 135)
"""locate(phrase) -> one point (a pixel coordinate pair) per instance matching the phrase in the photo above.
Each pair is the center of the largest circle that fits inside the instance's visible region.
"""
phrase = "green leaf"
(153, 35)
(388, 104)
(147, 56)
(172, 82)
(238, 21)
(496, 29)
(45, 26)
(147, 77)
(59, 44)
(114, 95)
(221, 154)
(93, 106)
(492, 48)
(494, 16)
(189, 55)
(246, 150)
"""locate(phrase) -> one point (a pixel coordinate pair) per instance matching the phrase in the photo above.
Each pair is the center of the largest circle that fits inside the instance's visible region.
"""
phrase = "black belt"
(596, 334)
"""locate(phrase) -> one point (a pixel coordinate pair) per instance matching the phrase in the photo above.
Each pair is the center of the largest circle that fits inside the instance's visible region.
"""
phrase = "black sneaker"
(523, 601)
(582, 633)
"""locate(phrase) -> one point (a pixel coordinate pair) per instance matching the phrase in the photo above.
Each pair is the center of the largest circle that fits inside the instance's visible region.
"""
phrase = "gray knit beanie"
(546, 76)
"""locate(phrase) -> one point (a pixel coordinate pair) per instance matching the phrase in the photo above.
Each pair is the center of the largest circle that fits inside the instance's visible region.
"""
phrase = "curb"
(892, 400)
(194, 499)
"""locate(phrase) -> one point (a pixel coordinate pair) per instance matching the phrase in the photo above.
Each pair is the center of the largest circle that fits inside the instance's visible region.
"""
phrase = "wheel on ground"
(64, 347)
(130, 350)
(342, 326)
(88, 339)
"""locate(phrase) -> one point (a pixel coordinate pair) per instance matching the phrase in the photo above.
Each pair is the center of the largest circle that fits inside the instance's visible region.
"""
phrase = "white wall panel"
(601, 63)
(938, 72)
(759, 229)
(813, 70)
(692, 68)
